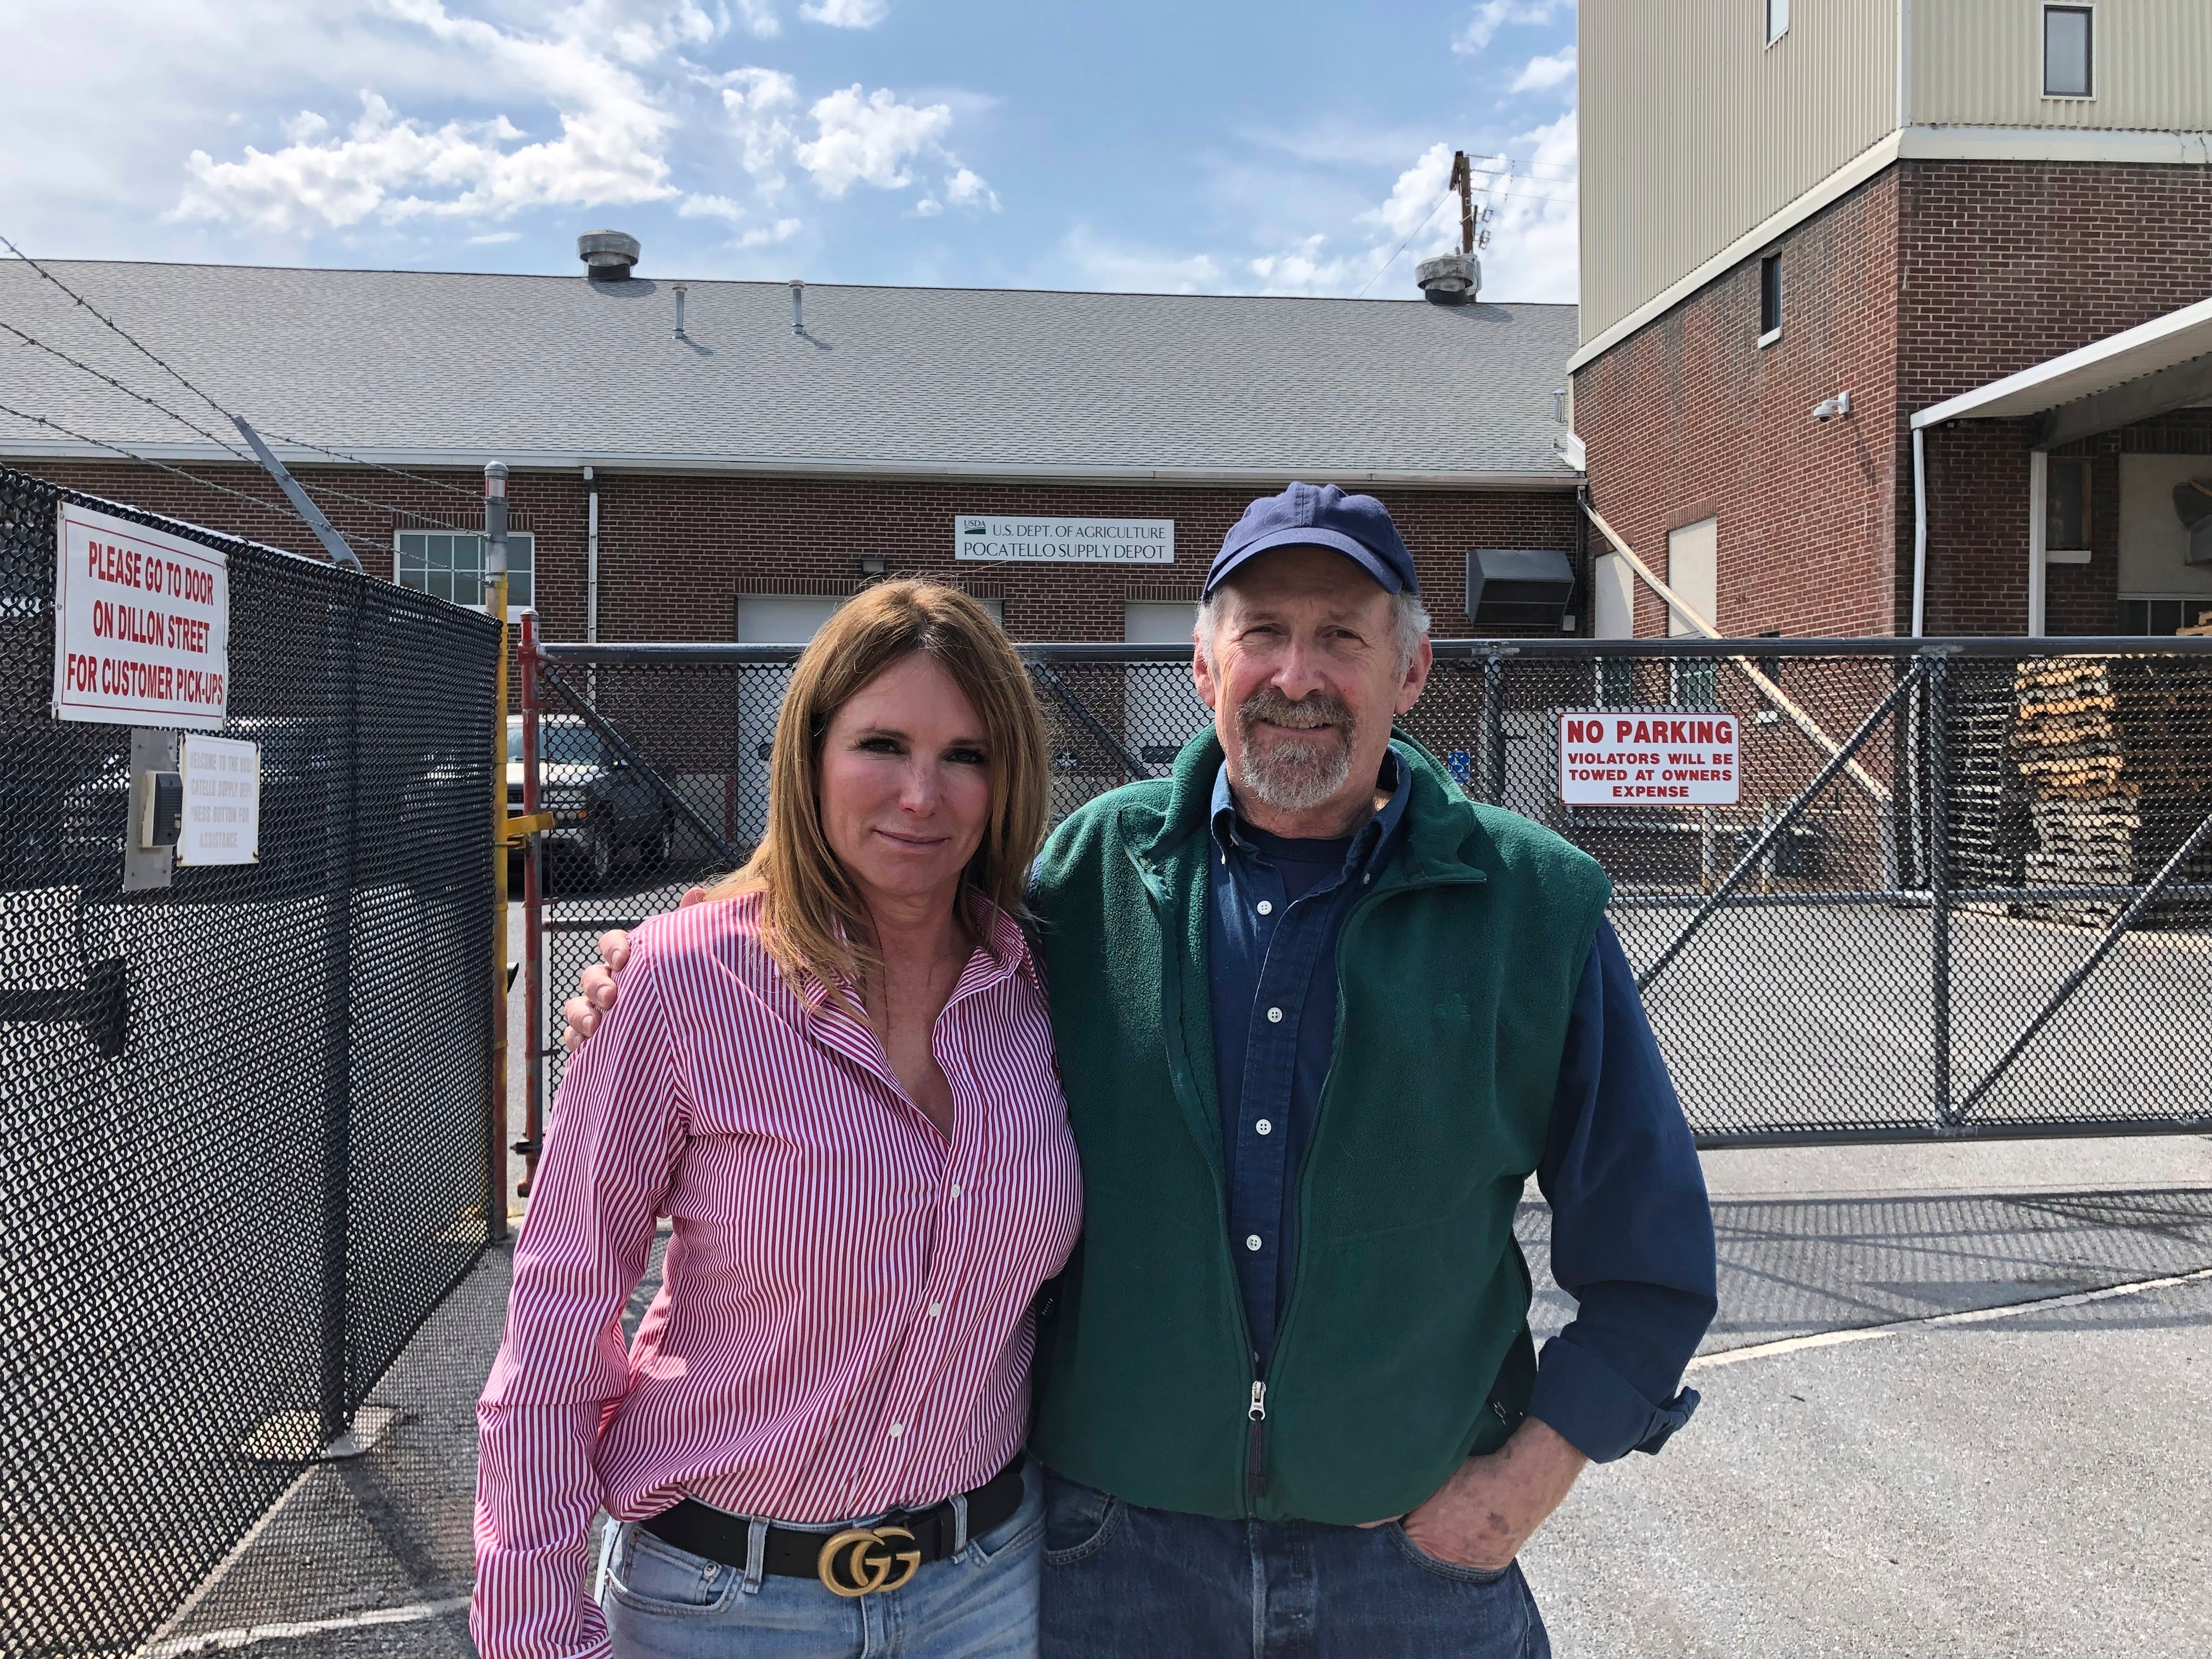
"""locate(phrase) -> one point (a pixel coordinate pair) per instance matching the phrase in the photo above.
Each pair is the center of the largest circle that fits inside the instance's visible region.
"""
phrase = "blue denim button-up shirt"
(1632, 1233)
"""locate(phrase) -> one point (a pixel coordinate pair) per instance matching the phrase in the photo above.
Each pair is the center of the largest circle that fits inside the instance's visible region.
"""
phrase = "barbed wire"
(285, 513)
(316, 487)
(153, 357)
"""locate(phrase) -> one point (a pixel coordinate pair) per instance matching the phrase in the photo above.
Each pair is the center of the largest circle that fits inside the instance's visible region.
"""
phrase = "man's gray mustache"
(1306, 713)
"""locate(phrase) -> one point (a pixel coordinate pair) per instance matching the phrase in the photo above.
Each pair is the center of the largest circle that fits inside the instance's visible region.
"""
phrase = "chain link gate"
(1966, 890)
(246, 1127)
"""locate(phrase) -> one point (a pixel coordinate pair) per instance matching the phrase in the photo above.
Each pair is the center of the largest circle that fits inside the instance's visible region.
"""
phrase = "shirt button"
(897, 1429)
(1263, 1127)
(955, 1189)
(1266, 907)
(1274, 1017)
(935, 1308)
(1251, 1241)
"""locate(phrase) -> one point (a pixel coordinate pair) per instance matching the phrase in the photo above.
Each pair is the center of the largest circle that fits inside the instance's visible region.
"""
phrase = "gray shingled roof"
(423, 366)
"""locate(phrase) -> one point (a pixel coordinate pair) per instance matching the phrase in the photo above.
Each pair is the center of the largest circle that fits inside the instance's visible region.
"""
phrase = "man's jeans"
(1119, 1580)
(666, 1603)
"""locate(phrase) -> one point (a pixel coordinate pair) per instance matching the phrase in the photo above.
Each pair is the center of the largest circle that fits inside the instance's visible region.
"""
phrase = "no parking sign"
(1638, 756)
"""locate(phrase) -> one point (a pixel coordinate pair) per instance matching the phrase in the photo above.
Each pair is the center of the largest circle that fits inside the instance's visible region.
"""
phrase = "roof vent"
(1449, 279)
(607, 255)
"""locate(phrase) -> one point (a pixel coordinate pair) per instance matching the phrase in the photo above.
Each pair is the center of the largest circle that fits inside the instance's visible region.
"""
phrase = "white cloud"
(493, 237)
(612, 146)
(710, 207)
(969, 190)
(1533, 235)
(869, 139)
(1542, 74)
(760, 18)
(782, 231)
(846, 14)
(1492, 15)
(757, 102)
(1121, 269)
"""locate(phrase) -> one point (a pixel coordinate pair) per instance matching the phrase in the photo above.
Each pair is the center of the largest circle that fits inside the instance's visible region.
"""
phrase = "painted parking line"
(246, 1636)
(1969, 1316)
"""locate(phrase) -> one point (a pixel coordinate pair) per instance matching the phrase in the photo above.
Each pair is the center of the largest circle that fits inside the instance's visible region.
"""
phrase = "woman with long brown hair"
(835, 1078)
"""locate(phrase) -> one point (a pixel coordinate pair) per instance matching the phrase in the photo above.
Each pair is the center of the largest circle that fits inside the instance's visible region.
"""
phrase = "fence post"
(341, 840)
(1493, 728)
(1937, 739)
(494, 570)
(533, 934)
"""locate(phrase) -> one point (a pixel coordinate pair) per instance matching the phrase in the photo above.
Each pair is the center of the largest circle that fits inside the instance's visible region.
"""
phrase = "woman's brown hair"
(813, 922)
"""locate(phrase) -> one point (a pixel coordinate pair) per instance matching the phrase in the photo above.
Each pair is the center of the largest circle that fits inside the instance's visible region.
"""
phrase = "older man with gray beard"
(1319, 1016)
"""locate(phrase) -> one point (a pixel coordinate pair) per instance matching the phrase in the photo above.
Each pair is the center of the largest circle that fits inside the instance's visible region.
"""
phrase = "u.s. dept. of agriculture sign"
(1064, 541)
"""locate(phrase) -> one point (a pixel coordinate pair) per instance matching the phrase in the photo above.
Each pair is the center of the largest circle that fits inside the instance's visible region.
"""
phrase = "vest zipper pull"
(1255, 1465)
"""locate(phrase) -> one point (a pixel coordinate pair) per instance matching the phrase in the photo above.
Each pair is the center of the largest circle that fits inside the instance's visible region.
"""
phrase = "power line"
(412, 478)
(1402, 246)
(158, 362)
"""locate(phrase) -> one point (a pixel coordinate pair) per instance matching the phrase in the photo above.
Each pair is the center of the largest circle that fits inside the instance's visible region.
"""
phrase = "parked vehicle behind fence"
(605, 814)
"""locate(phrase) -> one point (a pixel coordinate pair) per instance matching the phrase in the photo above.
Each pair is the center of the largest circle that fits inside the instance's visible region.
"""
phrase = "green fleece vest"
(1404, 1346)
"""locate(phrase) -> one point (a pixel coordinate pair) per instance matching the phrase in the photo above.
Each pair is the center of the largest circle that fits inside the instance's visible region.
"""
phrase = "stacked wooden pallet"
(2110, 757)
(2070, 753)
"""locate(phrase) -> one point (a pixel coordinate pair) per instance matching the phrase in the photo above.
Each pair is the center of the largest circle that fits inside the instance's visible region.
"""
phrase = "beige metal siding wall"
(1693, 130)
(1979, 63)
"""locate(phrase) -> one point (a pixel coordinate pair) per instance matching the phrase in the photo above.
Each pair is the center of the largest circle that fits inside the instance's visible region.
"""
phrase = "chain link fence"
(1964, 887)
(245, 1121)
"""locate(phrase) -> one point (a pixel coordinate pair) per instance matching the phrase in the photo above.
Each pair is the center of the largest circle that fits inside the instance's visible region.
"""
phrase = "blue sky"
(1282, 146)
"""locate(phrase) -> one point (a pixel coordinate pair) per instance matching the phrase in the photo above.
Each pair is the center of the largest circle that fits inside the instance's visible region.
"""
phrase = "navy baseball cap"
(1306, 515)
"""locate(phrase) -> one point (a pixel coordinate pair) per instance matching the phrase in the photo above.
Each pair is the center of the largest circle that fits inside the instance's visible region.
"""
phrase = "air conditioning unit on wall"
(1518, 587)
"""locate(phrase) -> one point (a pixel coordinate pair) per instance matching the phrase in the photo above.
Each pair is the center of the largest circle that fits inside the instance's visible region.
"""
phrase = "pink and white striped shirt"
(843, 1325)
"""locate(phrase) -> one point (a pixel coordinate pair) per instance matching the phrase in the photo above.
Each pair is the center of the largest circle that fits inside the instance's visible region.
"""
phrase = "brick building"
(710, 460)
(1986, 222)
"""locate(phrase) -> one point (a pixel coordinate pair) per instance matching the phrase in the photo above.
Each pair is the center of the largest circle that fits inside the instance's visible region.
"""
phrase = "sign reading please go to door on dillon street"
(142, 625)
(1634, 756)
(1064, 541)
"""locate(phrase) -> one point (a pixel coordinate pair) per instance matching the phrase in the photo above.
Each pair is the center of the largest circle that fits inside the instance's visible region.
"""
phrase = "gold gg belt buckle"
(862, 1560)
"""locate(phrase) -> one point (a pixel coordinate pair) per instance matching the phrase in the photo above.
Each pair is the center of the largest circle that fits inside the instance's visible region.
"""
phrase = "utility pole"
(1462, 180)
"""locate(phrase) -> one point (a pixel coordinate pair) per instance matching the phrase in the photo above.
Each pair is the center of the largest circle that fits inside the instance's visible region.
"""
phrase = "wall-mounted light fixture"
(874, 566)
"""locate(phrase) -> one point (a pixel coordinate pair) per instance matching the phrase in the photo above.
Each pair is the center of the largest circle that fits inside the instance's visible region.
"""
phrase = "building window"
(2161, 618)
(2066, 506)
(450, 566)
(1694, 682)
(1777, 19)
(1770, 298)
(2067, 57)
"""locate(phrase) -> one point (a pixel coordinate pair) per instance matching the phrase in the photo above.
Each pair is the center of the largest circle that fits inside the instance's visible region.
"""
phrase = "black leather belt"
(856, 1561)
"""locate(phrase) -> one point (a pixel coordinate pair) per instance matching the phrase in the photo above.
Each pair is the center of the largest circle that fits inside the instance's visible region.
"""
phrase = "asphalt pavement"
(1939, 1417)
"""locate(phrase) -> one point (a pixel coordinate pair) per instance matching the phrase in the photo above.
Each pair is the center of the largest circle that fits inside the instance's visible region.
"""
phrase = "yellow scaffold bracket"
(517, 831)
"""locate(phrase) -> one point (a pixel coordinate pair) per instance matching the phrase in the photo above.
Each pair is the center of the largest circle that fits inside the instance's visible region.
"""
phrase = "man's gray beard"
(1294, 778)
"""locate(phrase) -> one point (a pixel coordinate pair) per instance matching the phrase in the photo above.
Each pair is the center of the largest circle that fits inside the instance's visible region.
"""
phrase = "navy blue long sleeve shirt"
(1631, 1231)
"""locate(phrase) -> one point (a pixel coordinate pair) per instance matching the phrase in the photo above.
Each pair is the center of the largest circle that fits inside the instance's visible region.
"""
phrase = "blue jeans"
(981, 1603)
(1119, 1580)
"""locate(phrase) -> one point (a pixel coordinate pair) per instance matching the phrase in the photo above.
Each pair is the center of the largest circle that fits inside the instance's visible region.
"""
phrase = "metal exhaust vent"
(608, 255)
(1449, 279)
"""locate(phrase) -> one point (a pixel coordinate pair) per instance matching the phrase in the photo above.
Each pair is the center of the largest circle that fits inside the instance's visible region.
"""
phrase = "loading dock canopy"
(2136, 374)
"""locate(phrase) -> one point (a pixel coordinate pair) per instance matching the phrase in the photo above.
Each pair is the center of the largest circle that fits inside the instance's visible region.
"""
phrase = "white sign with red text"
(142, 625)
(1639, 757)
